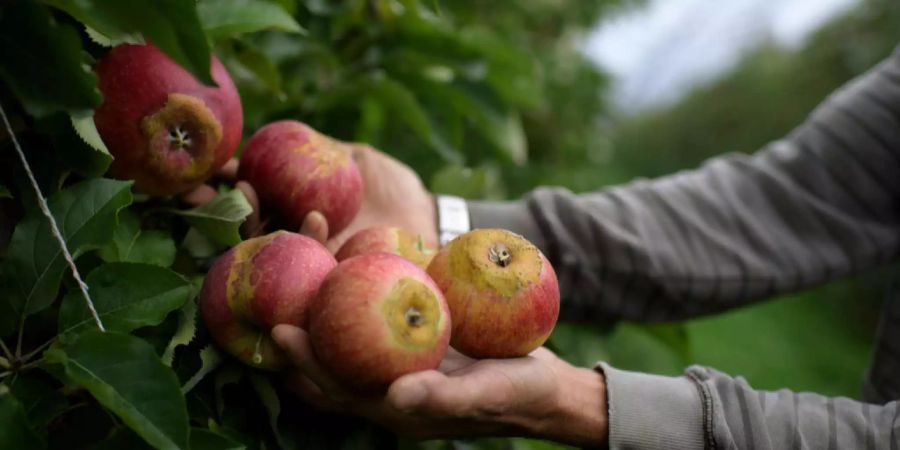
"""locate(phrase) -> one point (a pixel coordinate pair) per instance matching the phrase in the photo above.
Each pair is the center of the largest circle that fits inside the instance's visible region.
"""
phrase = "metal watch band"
(453, 217)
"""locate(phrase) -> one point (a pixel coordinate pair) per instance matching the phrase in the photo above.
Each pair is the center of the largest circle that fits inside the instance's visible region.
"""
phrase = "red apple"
(502, 292)
(260, 283)
(296, 170)
(378, 317)
(388, 240)
(165, 129)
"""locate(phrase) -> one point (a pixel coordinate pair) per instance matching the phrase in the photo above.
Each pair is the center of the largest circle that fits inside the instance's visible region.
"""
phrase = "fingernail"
(409, 398)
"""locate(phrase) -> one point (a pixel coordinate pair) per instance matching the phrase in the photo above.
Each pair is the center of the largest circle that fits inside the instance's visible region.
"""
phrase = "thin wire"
(54, 229)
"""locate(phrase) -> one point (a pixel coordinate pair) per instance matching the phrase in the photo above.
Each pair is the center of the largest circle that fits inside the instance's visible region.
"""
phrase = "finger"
(200, 195)
(300, 384)
(433, 394)
(295, 342)
(228, 171)
(252, 225)
(315, 226)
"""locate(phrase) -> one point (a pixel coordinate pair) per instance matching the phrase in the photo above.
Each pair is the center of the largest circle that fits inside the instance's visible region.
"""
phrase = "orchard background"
(483, 99)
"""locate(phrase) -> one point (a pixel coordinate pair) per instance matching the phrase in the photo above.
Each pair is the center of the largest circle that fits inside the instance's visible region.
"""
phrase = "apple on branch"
(166, 130)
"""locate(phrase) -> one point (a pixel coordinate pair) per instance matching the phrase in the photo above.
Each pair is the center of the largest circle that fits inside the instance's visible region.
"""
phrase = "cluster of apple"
(385, 305)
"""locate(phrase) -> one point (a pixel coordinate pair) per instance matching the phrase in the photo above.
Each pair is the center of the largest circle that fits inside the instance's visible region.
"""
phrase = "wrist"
(452, 218)
(580, 415)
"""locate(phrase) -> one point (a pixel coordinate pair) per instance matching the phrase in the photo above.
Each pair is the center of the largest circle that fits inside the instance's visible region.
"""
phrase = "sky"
(657, 52)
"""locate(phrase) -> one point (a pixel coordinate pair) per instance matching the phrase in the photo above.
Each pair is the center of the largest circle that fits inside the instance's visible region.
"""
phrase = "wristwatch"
(453, 217)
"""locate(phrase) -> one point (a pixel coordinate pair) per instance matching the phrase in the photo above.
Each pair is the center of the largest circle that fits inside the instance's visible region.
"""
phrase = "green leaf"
(198, 245)
(187, 328)
(41, 400)
(222, 18)
(172, 25)
(131, 244)
(15, 432)
(86, 215)
(402, 102)
(84, 126)
(261, 66)
(503, 130)
(230, 374)
(269, 398)
(220, 219)
(203, 439)
(210, 358)
(127, 296)
(43, 62)
(4, 192)
(69, 152)
(124, 374)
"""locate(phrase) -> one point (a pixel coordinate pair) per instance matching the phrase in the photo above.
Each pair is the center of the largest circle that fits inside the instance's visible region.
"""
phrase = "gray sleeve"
(819, 204)
(708, 409)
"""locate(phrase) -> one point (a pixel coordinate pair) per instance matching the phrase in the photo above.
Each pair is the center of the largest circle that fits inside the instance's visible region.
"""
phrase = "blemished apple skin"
(388, 240)
(296, 170)
(166, 130)
(260, 283)
(378, 317)
(502, 292)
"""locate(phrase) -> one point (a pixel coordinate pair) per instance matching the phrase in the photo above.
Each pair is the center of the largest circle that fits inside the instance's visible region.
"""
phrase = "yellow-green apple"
(165, 129)
(260, 283)
(295, 170)
(378, 317)
(388, 240)
(502, 292)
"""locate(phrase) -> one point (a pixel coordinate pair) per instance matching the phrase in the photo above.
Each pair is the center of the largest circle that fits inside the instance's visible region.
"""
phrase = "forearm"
(817, 205)
(708, 409)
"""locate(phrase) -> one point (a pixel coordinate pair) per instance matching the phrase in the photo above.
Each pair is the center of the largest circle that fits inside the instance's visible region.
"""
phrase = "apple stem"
(500, 255)
(414, 317)
(257, 355)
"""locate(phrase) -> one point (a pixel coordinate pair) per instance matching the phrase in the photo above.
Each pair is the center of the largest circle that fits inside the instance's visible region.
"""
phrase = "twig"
(5, 349)
(21, 333)
(31, 365)
(37, 350)
(42, 203)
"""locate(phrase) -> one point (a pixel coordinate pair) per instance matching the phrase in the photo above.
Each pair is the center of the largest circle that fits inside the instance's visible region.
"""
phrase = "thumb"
(315, 226)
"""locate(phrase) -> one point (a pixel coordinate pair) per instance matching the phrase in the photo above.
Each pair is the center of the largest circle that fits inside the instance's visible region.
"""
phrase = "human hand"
(538, 395)
(393, 195)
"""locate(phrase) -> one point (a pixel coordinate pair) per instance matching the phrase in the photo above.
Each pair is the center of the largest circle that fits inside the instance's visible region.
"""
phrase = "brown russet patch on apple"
(476, 262)
(240, 286)
(413, 314)
(185, 124)
(326, 152)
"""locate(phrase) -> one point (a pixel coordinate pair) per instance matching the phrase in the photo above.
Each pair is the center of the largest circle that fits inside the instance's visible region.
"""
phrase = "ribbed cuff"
(512, 216)
(649, 412)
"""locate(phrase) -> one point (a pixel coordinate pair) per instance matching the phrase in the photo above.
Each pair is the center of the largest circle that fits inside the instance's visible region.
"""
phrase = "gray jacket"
(822, 203)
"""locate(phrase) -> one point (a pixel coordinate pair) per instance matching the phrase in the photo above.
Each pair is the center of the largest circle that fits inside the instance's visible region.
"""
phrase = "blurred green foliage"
(484, 100)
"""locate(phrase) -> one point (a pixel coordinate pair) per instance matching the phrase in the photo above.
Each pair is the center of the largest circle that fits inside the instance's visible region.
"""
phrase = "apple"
(502, 292)
(166, 130)
(378, 317)
(388, 240)
(296, 170)
(260, 283)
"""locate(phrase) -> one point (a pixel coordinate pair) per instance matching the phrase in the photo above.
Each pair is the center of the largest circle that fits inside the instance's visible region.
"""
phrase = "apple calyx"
(183, 134)
(414, 317)
(499, 254)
